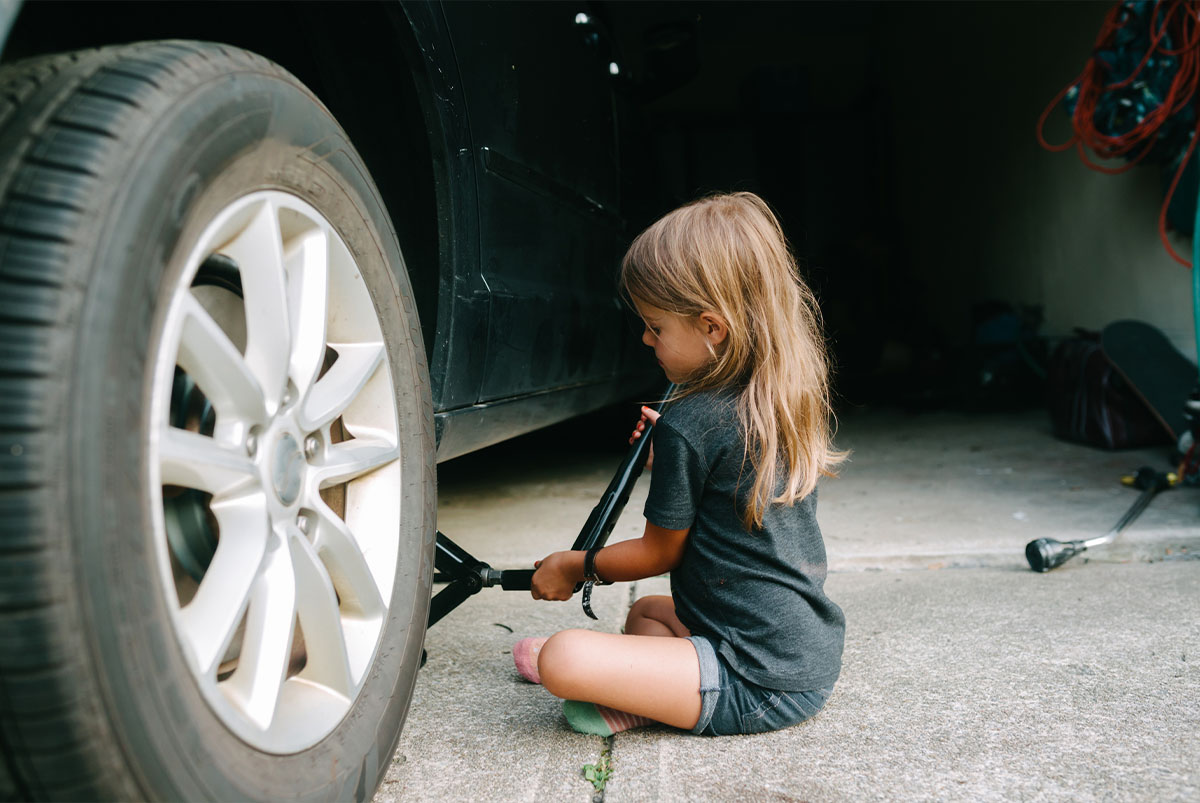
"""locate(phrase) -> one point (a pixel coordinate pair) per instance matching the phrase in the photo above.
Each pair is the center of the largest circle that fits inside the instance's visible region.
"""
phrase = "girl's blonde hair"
(727, 254)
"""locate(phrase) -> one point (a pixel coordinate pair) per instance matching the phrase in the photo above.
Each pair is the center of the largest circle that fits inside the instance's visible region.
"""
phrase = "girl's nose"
(647, 337)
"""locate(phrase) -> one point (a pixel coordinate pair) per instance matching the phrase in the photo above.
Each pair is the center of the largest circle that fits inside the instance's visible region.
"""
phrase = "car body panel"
(541, 110)
(456, 361)
(513, 256)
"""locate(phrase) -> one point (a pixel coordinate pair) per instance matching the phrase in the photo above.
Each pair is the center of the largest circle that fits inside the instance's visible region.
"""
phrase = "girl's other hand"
(556, 575)
(647, 415)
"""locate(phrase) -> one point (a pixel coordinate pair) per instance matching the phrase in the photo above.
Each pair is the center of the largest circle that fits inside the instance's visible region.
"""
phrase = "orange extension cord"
(1179, 18)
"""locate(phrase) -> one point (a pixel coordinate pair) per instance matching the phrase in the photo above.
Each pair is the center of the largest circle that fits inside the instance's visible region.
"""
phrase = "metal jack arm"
(467, 575)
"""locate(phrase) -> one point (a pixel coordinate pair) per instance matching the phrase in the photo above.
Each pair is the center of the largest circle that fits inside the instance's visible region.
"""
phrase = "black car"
(261, 267)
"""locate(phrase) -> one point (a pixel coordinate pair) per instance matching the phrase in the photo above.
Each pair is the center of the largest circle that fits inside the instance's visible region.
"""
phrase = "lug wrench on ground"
(1045, 554)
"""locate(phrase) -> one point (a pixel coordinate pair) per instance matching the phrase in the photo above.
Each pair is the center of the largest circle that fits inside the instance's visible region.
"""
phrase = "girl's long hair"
(727, 254)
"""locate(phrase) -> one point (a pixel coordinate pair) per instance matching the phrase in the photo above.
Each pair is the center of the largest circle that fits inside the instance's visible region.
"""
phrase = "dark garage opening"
(897, 143)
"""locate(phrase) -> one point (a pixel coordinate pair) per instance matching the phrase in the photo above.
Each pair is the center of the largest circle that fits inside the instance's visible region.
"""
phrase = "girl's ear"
(714, 328)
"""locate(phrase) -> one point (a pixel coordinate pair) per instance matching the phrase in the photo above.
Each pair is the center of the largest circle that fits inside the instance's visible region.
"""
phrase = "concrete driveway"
(966, 676)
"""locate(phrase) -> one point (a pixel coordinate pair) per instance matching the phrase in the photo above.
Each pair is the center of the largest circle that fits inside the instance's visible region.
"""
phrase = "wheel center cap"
(287, 468)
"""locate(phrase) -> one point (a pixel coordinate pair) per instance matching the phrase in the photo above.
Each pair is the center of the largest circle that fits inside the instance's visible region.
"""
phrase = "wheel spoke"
(320, 620)
(258, 251)
(345, 461)
(266, 649)
(307, 264)
(191, 460)
(339, 550)
(209, 620)
(214, 362)
(330, 396)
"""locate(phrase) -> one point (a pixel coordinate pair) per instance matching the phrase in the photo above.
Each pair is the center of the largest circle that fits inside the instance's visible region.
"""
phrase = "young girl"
(747, 641)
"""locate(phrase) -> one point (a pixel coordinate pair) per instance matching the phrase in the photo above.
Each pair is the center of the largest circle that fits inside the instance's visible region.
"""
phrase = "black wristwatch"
(589, 568)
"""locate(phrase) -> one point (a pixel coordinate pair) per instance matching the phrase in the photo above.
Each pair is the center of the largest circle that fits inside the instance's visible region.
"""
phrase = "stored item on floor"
(467, 575)
(1045, 554)
(1090, 402)
(1189, 465)
(1154, 369)
(1007, 357)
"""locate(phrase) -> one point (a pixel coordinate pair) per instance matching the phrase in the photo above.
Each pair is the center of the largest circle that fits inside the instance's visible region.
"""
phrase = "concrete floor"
(931, 490)
(952, 489)
(988, 682)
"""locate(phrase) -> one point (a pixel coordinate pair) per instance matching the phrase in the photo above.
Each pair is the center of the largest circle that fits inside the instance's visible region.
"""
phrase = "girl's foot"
(600, 719)
(525, 656)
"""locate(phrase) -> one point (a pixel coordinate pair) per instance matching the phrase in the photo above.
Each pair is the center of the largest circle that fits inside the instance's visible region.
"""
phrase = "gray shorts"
(729, 704)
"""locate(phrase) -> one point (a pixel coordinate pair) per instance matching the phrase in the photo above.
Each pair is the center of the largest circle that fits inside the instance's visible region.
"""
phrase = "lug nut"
(311, 445)
(302, 523)
(252, 444)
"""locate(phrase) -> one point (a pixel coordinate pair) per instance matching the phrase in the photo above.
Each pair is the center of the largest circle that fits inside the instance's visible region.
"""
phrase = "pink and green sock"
(525, 656)
(583, 717)
(600, 719)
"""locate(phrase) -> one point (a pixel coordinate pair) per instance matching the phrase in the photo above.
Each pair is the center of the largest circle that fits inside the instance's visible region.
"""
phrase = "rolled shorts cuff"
(710, 681)
(729, 704)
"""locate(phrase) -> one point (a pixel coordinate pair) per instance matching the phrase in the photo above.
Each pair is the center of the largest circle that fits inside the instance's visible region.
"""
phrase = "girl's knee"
(641, 606)
(653, 616)
(561, 659)
(645, 607)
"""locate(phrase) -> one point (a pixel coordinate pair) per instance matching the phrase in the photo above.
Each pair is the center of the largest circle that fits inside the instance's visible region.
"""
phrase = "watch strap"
(589, 567)
(587, 599)
(590, 579)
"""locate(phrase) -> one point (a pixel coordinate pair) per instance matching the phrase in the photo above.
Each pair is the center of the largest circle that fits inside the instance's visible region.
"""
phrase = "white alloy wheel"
(275, 449)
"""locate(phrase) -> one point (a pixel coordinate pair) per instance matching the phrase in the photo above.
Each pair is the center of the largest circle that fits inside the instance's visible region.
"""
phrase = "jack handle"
(466, 575)
(600, 523)
(604, 515)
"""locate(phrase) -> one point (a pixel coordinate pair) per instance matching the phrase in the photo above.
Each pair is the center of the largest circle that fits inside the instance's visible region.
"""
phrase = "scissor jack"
(467, 575)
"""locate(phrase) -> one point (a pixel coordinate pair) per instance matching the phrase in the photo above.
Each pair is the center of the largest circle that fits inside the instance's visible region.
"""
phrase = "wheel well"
(350, 55)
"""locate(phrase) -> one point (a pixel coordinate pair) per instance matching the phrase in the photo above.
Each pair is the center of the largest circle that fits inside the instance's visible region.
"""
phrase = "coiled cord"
(1170, 21)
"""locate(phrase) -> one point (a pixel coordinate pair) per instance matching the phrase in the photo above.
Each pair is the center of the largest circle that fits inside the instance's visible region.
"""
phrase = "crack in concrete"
(602, 770)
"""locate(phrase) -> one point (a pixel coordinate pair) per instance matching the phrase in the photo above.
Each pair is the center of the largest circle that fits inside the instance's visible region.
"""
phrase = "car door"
(540, 102)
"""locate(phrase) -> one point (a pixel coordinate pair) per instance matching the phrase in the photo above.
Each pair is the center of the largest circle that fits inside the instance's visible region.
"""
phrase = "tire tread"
(61, 117)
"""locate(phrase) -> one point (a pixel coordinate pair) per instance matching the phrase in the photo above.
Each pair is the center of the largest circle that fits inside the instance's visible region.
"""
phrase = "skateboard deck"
(1153, 368)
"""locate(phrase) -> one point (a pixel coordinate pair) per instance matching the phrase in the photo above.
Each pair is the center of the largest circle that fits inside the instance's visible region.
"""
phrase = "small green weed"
(598, 774)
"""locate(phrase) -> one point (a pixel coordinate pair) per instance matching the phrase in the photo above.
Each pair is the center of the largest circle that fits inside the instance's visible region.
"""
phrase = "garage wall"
(987, 213)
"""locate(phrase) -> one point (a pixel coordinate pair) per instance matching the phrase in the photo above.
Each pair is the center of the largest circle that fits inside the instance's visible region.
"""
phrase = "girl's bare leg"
(651, 676)
(654, 616)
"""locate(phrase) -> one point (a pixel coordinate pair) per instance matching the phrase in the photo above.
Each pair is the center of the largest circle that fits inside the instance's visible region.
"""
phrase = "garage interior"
(897, 143)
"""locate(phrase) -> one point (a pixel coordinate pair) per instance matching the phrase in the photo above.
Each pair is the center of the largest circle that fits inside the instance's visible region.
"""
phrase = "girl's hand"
(647, 415)
(557, 575)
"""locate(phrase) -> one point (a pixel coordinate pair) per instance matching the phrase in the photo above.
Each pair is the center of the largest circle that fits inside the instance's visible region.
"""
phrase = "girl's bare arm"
(658, 550)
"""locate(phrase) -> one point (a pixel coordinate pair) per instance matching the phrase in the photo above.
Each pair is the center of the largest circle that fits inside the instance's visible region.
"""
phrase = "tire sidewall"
(230, 134)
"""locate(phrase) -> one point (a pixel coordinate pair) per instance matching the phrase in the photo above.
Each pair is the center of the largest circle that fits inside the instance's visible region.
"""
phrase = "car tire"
(217, 487)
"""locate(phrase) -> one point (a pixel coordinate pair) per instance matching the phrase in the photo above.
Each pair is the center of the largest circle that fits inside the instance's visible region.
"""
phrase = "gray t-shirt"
(758, 596)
